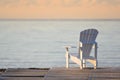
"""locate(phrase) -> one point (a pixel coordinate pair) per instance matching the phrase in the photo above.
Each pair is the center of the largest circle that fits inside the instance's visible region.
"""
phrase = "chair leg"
(81, 64)
(95, 65)
(84, 63)
(67, 61)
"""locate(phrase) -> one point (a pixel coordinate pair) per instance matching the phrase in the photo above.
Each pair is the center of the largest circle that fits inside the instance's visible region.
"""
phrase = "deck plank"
(21, 78)
(86, 74)
(23, 74)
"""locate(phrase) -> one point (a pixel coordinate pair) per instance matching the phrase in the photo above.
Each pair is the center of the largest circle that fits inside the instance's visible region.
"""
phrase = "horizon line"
(25, 19)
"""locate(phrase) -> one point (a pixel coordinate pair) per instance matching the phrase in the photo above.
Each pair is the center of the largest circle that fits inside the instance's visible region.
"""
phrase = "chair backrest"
(87, 38)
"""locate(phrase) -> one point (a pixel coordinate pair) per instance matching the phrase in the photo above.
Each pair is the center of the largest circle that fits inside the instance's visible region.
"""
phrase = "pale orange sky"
(59, 9)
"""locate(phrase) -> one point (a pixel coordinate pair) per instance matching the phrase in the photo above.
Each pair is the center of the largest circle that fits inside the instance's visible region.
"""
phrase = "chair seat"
(85, 58)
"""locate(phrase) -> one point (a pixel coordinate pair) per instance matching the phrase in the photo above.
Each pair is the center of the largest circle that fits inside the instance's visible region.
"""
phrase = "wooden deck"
(85, 74)
(23, 74)
(61, 73)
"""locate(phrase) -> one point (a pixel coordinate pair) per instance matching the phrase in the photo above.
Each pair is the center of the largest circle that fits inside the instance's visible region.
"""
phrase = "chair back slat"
(87, 38)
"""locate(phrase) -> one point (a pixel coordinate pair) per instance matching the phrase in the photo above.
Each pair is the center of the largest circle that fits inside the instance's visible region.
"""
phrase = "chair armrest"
(70, 46)
(67, 47)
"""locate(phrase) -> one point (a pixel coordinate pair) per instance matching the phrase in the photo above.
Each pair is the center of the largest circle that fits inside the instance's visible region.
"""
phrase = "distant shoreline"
(59, 19)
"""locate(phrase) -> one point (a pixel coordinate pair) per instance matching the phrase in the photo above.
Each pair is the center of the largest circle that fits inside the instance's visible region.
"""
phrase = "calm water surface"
(26, 44)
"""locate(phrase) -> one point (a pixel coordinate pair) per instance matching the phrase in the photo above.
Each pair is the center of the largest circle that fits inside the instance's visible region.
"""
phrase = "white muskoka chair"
(86, 43)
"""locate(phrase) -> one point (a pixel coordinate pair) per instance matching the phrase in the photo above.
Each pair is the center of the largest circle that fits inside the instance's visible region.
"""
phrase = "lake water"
(37, 43)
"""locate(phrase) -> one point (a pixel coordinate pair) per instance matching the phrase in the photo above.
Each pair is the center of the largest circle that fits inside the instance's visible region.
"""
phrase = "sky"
(59, 9)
